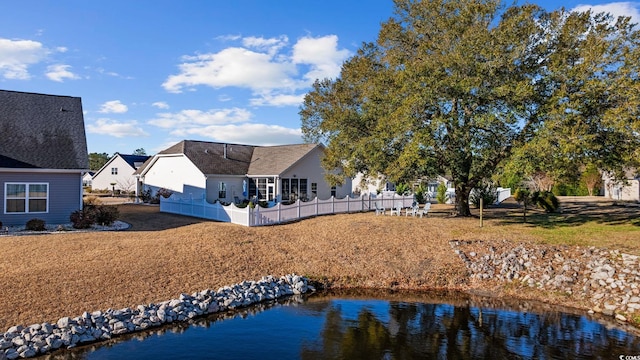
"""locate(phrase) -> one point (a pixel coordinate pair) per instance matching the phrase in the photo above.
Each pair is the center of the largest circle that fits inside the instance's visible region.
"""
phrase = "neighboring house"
(87, 178)
(43, 156)
(117, 173)
(232, 172)
(622, 189)
(364, 185)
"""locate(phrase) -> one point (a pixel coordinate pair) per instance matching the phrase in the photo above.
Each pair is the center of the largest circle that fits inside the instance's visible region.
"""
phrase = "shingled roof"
(214, 158)
(42, 131)
(274, 160)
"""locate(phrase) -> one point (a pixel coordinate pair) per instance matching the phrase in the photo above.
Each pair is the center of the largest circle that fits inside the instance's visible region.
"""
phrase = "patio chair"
(413, 210)
(424, 210)
(397, 208)
(379, 208)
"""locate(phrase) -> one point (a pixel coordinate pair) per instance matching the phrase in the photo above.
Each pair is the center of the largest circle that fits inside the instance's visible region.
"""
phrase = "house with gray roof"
(117, 173)
(233, 172)
(43, 156)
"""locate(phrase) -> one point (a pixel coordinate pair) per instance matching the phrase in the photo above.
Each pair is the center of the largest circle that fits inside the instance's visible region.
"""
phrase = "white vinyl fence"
(279, 213)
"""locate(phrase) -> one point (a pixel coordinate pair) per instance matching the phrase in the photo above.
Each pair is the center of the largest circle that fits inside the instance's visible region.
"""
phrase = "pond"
(393, 326)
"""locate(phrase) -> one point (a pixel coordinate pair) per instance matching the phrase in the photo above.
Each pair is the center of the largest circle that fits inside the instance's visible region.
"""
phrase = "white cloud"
(59, 72)
(321, 54)
(254, 134)
(160, 105)
(114, 106)
(17, 55)
(117, 129)
(197, 118)
(271, 46)
(278, 100)
(272, 70)
(233, 66)
(616, 9)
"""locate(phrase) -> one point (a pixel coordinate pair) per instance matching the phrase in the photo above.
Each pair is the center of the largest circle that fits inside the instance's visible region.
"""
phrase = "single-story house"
(232, 173)
(627, 189)
(87, 178)
(117, 173)
(43, 157)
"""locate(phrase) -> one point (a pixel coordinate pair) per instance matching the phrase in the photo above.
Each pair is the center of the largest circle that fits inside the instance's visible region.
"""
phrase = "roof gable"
(42, 131)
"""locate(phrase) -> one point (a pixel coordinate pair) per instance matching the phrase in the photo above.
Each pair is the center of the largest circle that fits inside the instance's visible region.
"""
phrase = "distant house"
(87, 178)
(43, 156)
(117, 173)
(232, 172)
(627, 189)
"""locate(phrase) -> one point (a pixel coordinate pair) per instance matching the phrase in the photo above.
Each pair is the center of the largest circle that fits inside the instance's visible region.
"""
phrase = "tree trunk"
(462, 201)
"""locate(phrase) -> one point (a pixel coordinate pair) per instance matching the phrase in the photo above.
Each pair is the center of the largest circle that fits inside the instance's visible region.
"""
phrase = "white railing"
(279, 213)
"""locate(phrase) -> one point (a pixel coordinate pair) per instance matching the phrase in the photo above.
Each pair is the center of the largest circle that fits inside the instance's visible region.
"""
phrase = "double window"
(26, 197)
(114, 171)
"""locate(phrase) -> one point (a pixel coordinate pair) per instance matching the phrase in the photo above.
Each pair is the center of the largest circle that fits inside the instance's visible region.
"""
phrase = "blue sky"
(152, 73)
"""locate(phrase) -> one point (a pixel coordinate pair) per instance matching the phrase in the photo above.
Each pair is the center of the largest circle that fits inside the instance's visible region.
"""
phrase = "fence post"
(316, 201)
(279, 212)
(333, 205)
(298, 203)
(348, 198)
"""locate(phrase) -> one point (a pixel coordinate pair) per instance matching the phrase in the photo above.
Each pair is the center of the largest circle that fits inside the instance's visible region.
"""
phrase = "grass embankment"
(45, 277)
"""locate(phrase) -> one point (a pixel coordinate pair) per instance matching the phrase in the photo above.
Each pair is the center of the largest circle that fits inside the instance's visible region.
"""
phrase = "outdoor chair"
(397, 208)
(379, 208)
(413, 210)
(424, 210)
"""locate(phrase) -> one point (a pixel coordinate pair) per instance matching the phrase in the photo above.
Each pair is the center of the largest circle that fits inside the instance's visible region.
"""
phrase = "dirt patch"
(43, 278)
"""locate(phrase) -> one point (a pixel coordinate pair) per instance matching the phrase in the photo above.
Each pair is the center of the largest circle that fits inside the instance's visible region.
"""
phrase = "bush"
(91, 200)
(487, 192)
(545, 200)
(402, 189)
(83, 219)
(441, 193)
(420, 194)
(35, 225)
(105, 215)
(165, 193)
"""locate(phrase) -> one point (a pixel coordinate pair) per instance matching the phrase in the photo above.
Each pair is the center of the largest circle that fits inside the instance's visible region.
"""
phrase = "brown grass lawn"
(45, 277)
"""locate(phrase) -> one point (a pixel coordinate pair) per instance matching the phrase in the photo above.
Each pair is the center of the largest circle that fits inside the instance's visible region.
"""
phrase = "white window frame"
(26, 197)
(114, 171)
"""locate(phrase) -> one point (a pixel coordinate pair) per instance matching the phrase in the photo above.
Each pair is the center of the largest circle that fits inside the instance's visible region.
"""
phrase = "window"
(26, 197)
(222, 190)
(314, 190)
(293, 189)
(114, 171)
(333, 191)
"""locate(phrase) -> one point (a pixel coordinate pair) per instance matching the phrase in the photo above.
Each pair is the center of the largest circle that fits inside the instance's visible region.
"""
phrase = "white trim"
(50, 171)
(26, 198)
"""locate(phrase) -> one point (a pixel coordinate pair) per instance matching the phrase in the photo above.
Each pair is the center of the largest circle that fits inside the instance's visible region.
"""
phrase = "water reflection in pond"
(348, 327)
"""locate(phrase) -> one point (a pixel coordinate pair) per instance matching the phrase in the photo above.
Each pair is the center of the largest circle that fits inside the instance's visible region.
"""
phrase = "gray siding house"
(43, 155)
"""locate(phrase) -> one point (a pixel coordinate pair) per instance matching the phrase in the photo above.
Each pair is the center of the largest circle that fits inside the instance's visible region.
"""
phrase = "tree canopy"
(458, 87)
(97, 160)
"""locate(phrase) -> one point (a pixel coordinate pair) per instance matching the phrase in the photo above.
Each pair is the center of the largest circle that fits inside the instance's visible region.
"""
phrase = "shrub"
(105, 215)
(546, 200)
(419, 194)
(145, 195)
(487, 192)
(35, 225)
(402, 189)
(83, 219)
(91, 200)
(441, 193)
(165, 193)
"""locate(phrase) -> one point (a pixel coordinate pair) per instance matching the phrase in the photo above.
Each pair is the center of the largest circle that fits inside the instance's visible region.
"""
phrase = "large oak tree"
(456, 87)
